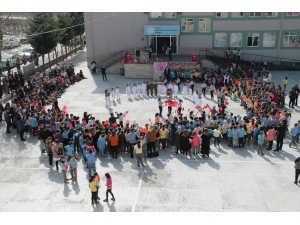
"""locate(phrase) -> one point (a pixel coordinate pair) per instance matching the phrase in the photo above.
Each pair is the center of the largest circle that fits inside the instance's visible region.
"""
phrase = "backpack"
(60, 151)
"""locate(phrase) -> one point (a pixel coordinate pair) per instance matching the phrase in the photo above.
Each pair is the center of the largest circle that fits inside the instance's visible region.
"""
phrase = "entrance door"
(152, 41)
(162, 44)
(174, 44)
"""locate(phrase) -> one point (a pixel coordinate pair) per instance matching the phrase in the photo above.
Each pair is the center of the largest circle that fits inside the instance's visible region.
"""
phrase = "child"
(121, 119)
(109, 187)
(234, 137)
(175, 88)
(97, 179)
(112, 95)
(128, 90)
(134, 89)
(139, 90)
(163, 90)
(285, 82)
(93, 188)
(118, 94)
(64, 168)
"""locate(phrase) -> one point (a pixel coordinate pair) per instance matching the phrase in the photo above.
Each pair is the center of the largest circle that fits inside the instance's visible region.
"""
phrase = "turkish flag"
(171, 103)
(194, 58)
(128, 58)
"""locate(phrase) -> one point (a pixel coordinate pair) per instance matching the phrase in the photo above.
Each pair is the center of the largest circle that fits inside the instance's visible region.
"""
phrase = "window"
(253, 39)
(237, 14)
(269, 39)
(204, 25)
(155, 15)
(220, 39)
(292, 13)
(170, 14)
(222, 14)
(289, 39)
(236, 39)
(255, 14)
(271, 14)
(187, 25)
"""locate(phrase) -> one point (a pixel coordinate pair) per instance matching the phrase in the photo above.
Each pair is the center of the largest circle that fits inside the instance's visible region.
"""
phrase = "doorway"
(160, 43)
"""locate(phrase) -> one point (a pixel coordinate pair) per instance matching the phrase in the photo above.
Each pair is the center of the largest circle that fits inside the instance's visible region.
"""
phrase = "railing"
(112, 60)
(273, 63)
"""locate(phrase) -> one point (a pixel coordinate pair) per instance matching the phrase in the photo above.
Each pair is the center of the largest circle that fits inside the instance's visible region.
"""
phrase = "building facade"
(275, 34)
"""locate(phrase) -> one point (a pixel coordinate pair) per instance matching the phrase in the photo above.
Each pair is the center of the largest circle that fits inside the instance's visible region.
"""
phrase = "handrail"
(218, 57)
(113, 59)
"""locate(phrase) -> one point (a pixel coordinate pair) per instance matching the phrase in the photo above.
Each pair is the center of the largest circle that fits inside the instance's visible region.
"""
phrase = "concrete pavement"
(230, 180)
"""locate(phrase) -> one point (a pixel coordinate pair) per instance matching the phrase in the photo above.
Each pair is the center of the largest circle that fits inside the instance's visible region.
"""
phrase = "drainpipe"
(280, 35)
(92, 35)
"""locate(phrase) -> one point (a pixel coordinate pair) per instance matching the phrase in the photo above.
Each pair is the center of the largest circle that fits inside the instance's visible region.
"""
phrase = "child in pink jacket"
(195, 141)
(270, 137)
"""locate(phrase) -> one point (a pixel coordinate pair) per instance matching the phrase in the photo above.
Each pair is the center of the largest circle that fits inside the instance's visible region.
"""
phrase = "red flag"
(125, 113)
(198, 107)
(90, 134)
(127, 122)
(114, 124)
(226, 103)
(70, 125)
(84, 123)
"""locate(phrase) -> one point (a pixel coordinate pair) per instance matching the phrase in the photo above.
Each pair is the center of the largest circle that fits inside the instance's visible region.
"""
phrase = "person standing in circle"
(139, 154)
(109, 187)
(103, 72)
(297, 169)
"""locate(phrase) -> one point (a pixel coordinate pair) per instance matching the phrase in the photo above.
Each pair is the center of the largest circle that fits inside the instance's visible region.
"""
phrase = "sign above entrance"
(161, 30)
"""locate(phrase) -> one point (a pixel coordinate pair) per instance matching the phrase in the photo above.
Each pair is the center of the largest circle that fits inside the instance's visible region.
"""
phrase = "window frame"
(219, 39)
(254, 16)
(255, 46)
(292, 14)
(157, 16)
(164, 15)
(270, 32)
(241, 34)
(221, 15)
(187, 18)
(205, 19)
(289, 35)
(272, 14)
(238, 15)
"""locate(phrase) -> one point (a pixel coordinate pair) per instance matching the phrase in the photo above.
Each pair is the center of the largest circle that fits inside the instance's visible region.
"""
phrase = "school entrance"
(159, 44)
(161, 37)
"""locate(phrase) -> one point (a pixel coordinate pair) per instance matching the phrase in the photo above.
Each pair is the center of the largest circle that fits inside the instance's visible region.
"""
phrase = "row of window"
(241, 14)
(290, 39)
(187, 25)
(253, 39)
(158, 15)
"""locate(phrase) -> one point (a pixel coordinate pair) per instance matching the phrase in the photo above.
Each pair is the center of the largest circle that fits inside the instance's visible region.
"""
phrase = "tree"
(78, 30)
(65, 35)
(43, 43)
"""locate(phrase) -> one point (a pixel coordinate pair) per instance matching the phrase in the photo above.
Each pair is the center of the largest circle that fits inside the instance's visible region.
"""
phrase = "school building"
(274, 34)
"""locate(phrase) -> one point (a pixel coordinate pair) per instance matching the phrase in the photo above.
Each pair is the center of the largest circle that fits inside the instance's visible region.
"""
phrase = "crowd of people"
(64, 136)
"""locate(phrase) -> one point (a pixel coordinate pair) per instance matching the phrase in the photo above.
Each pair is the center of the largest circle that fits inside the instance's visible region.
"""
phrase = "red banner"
(128, 58)
(194, 58)
(171, 103)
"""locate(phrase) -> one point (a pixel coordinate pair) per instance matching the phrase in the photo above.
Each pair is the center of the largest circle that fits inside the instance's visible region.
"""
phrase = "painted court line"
(137, 193)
